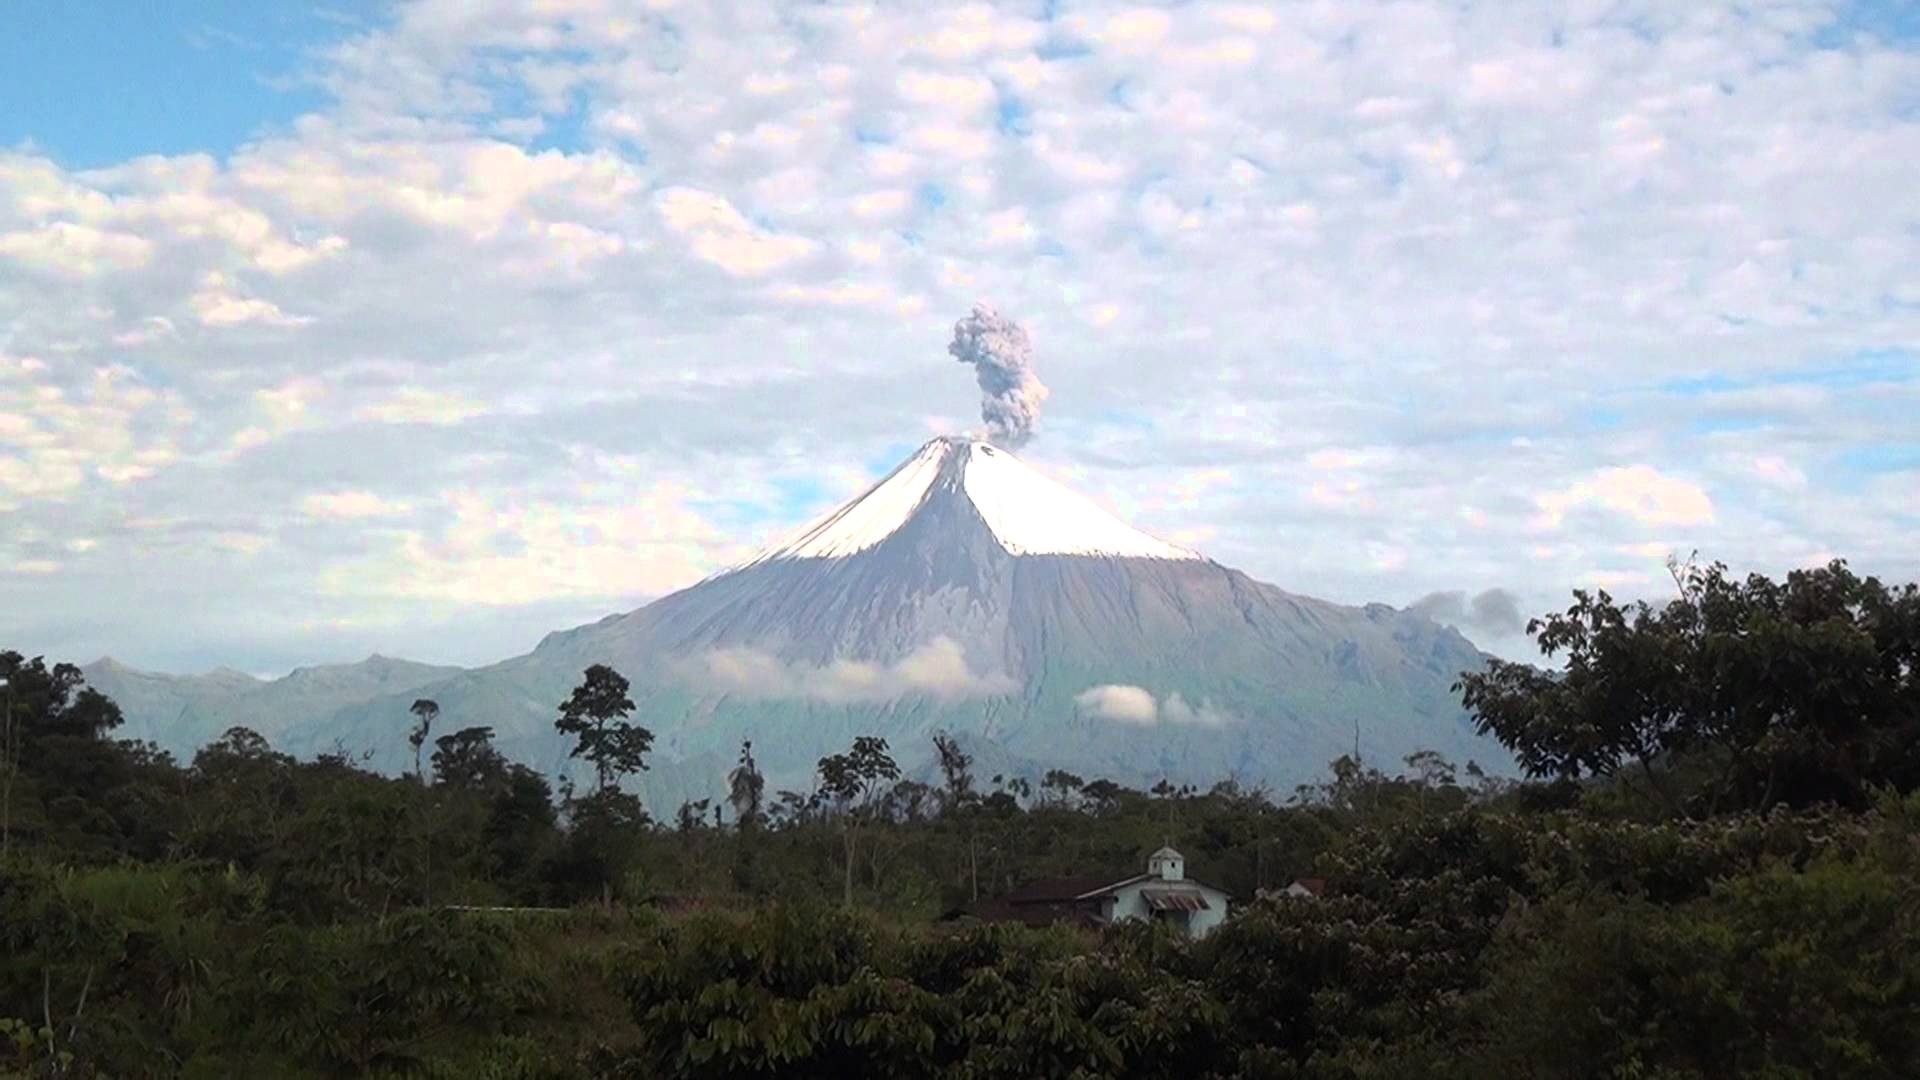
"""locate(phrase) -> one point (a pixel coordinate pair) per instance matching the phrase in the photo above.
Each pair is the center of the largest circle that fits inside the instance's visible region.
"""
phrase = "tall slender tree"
(848, 783)
(7, 761)
(596, 716)
(425, 711)
(956, 768)
(746, 789)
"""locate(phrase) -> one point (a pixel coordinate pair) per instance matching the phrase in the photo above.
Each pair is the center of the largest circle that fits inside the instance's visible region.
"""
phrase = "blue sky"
(429, 327)
(94, 82)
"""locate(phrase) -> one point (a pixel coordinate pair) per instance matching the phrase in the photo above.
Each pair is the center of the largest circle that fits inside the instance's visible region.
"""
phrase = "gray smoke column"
(1002, 359)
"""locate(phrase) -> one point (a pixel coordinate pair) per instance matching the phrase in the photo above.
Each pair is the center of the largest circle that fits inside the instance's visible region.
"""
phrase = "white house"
(1163, 894)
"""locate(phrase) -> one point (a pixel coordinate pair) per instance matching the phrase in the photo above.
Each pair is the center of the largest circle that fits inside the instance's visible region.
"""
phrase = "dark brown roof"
(1054, 890)
(1044, 913)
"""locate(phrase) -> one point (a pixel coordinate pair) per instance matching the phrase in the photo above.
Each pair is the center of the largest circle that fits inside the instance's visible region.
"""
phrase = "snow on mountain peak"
(1033, 515)
(1027, 513)
(871, 518)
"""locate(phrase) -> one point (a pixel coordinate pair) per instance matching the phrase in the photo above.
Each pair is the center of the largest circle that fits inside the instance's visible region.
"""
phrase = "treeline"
(1710, 872)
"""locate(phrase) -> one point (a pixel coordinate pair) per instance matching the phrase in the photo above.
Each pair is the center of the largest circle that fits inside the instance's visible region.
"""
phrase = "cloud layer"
(1136, 706)
(937, 669)
(549, 308)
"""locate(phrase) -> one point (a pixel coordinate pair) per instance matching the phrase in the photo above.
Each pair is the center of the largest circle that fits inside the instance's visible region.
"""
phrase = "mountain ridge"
(963, 592)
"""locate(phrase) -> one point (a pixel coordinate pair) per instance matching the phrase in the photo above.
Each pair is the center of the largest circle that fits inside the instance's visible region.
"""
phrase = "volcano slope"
(968, 593)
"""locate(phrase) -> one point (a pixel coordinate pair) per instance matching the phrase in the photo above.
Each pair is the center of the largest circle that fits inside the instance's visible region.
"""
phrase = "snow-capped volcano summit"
(1027, 513)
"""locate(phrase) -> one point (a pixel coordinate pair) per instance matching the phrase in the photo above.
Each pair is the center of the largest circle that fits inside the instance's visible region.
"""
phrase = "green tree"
(746, 789)
(604, 830)
(596, 715)
(956, 768)
(848, 784)
(1801, 691)
(1775, 972)
(241, 793)
(466, 759)
(9, 751)
(1103, 796)
(520, 826)
(64, 780)
(1058, 787)
(425, 711)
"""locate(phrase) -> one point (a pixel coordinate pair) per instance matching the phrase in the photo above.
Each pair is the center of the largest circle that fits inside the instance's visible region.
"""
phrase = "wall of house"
(1128, 903)
(1202, 923)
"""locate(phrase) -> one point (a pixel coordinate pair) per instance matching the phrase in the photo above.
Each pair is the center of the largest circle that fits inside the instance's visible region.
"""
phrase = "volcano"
(968, 593)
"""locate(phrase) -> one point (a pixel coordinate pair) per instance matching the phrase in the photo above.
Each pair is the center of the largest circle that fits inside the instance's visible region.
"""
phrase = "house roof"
(1060, 889)
(1174, 899)
(1073, 899)
(1116, 886)
(1041, 913)
(1111, 886)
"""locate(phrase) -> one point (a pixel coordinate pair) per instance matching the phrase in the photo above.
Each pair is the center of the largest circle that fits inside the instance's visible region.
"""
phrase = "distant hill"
(183, 713)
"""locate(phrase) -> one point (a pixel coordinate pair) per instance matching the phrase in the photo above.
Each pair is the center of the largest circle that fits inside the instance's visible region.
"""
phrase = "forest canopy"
(1709, 869)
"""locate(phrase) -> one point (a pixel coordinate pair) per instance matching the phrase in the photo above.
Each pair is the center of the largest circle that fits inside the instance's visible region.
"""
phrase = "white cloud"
(1778, 471)
(1119, 703)
(107, 426)
(218, 304)
(1136, 706)
(1130, 31)
(350, 505)
(414, 405)
(959, 93)
(1246, 17)
(279, 257)
(1176, 711)
(75, 251)
(1640, 492)
(276, 411)
(850, 294)
(493, 548)
(880, 205)
(937, 669)
(722, 236)
(151, 329)
(241, 543)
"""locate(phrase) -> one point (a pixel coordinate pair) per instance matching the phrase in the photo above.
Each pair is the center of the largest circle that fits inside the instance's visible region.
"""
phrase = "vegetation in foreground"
(1711, 872)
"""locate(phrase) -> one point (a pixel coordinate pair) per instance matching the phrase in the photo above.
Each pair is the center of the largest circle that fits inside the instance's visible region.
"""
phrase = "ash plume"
(1002, 359)
(1495, 611)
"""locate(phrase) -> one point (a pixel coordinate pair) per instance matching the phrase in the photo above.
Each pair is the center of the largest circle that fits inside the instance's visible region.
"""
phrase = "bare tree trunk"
(46, 1007)
(80, 1009)
(6, 805)
(846, 897)
(426, 841)
(7, 758)
(1659, 788)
